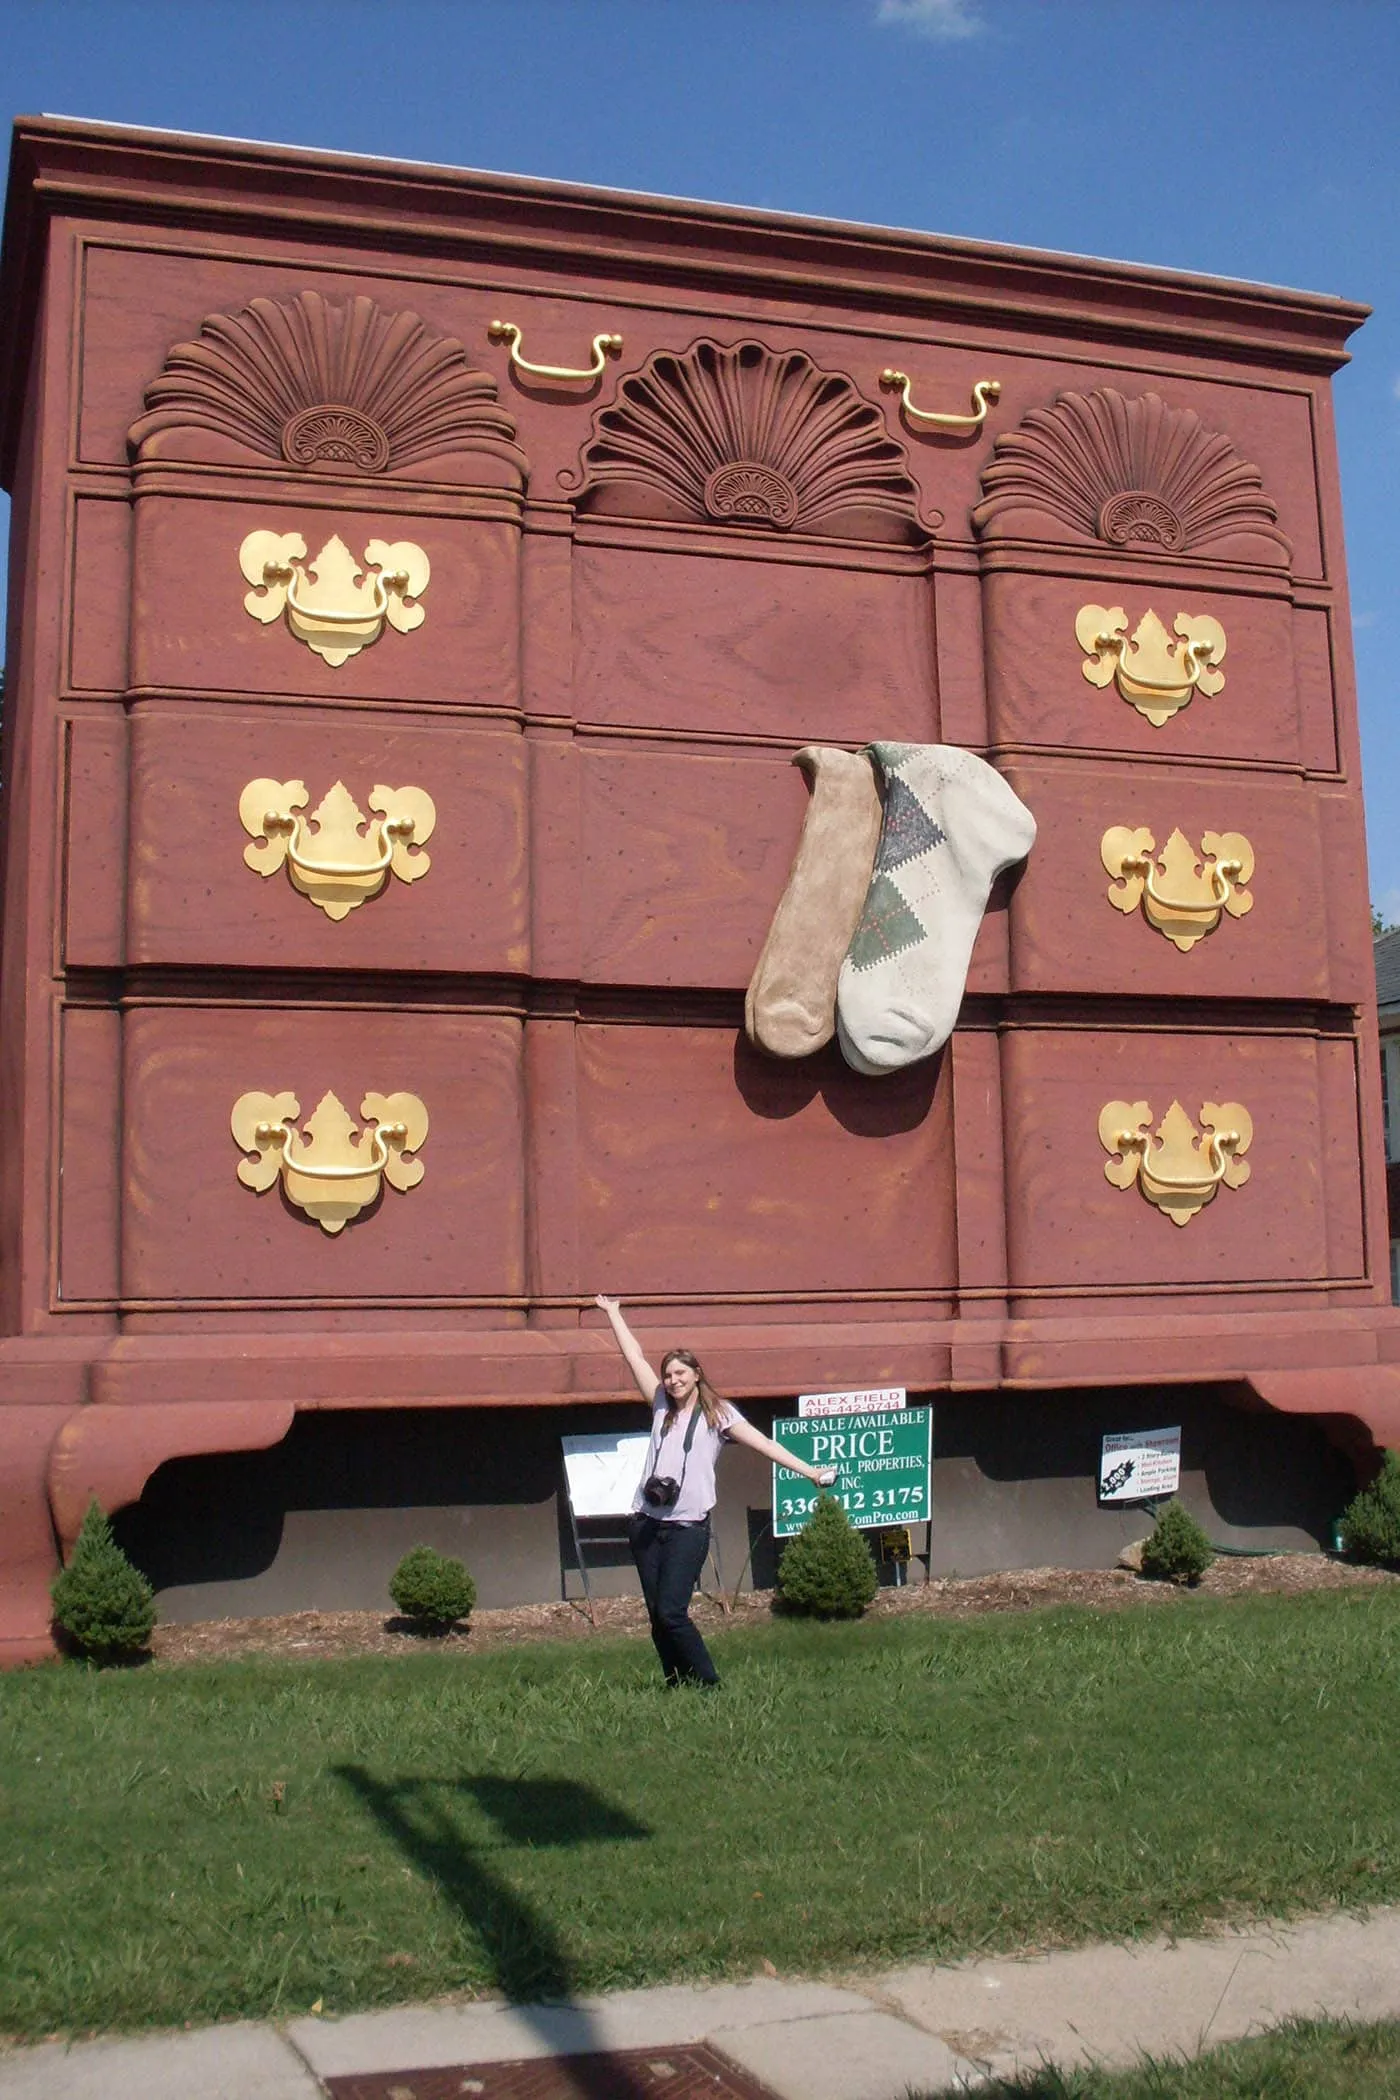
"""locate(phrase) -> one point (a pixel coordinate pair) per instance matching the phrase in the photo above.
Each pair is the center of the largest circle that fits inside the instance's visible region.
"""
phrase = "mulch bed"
(314, 1634)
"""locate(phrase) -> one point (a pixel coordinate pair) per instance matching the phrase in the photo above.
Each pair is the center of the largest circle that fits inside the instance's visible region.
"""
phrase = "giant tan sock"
(951, 824)
(791, 1005)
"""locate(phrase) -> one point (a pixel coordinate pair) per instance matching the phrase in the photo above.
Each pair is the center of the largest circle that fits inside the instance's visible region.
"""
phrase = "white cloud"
(943, 21)
(886, 3)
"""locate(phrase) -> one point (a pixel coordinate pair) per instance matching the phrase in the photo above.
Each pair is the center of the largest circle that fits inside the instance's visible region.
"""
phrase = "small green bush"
(105, 1606)
(826, 1572)
(1371, 1521)
(432, 1589)
(1176, 1550)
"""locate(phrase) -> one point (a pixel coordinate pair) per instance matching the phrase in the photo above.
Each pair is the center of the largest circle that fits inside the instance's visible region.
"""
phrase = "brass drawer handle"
(332, 1175)
(1219, 874)
(1153, 673)
(1226, 864)
(604, 347)
(333, 603)
(389, 829)
(354, 867)
(1170, 1177)
(1220, 1149)
(280, 1134)
(340, 616)
(984, 392)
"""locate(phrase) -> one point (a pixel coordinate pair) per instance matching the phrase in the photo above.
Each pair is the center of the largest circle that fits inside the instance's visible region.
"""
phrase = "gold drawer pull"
(279, 1134)
(1220, 1146)
(389, 830)
(341, 616)
(1153, 673)
(604, 347)
(332, 1174)
(1219, 886)
(984, 392)
(335, 604)
(1191, 907)
(350, 867)
(1170, 1175)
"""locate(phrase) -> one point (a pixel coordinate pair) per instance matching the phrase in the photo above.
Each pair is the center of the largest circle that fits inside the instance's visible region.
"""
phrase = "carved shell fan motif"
(1129, 473)
(329, 388)
(738, 434)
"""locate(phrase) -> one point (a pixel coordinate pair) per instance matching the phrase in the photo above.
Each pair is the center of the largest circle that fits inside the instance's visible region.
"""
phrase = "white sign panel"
(1140, 1466)
(604, 1472)
(884, 1399)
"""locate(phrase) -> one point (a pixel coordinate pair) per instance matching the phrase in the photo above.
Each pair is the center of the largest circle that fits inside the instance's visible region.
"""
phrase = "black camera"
(660, 1490)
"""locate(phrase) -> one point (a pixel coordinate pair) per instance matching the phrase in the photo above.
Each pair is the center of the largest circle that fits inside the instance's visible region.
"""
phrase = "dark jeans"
(669, 1558)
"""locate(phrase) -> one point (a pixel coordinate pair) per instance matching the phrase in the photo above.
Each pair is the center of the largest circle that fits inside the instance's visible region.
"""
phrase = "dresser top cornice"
(61, 166)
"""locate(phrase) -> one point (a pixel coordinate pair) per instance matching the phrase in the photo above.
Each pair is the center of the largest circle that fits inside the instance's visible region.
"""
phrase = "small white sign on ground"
(884, 1398)
(1140, 1466)
(604, 1472)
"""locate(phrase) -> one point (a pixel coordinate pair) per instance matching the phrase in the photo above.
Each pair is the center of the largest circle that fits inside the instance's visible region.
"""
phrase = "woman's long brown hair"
(710, 1401)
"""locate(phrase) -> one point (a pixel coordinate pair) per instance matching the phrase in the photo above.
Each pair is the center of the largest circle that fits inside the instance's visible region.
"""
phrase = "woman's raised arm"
(745, 1433)
(647, 1380)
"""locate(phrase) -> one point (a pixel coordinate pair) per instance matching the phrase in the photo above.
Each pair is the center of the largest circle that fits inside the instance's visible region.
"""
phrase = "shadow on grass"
(530, 1963)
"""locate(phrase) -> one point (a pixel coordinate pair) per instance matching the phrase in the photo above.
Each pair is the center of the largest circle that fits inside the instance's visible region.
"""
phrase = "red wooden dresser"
(647, 585)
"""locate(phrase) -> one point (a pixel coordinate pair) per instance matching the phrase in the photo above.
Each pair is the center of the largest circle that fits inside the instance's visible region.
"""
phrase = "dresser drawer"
(193, 897)
(684, 858)
(708, 1168)
(1067, 935)
(1037, 692)
(191, 630)
(1295, 1220)
(768, 648)
(193, 1233)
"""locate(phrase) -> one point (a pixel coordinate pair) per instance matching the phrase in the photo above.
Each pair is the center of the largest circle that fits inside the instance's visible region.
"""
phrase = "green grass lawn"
(249, 1838)
(1306, 2060)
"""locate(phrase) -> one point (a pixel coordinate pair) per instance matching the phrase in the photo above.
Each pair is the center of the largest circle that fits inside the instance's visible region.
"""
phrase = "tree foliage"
(101, 1602)
(1176, 1550)
(1371, 1521)
(826, 1572)
(432, 1589)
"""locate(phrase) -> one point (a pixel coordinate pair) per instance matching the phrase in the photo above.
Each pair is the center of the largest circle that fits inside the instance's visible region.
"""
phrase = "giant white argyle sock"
(951, 824)
(790, 1010)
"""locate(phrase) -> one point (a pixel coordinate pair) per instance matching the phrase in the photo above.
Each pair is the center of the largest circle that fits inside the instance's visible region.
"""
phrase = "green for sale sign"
(883, 1461)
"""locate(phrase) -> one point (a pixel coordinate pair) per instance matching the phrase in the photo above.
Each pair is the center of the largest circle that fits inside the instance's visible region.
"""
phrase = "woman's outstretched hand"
(826, 1477)
(642, 1372)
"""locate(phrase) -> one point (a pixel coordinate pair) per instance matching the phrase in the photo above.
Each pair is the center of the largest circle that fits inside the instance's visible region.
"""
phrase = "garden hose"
(1154, 1510)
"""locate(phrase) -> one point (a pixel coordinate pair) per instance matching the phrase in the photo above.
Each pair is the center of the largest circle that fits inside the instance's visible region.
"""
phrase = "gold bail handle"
(604, 347)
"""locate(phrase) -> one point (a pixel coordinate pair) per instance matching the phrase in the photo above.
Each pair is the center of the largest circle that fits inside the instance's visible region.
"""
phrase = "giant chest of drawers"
(422, 582)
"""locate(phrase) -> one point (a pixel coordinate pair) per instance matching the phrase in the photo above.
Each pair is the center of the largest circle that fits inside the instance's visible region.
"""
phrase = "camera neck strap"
(697, 1411)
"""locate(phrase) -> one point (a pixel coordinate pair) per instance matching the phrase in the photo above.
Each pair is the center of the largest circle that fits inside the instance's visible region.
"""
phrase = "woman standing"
(669, 1528)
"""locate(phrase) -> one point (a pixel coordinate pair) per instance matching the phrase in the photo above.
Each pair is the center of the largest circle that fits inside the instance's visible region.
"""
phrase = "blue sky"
(1249, 138)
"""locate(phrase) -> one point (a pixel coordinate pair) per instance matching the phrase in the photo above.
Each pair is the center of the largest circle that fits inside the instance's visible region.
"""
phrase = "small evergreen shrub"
(1371, 1520)
(432, 1589)
(1176, 1550)
(826, 1572)
(101, 1602)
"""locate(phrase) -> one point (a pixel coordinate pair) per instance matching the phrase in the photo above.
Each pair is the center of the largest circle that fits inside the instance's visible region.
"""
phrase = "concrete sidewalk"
(867, 2038)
